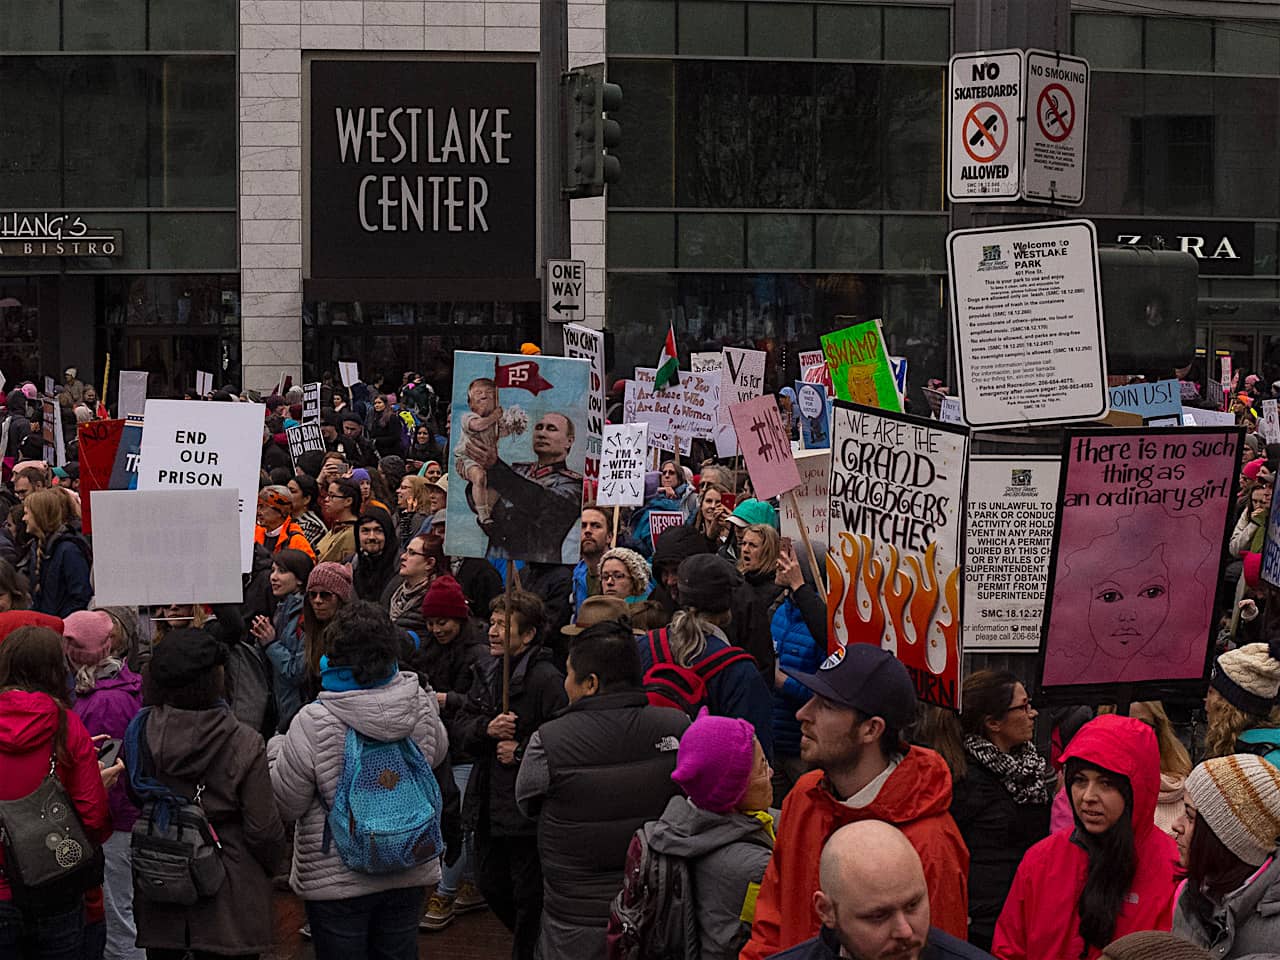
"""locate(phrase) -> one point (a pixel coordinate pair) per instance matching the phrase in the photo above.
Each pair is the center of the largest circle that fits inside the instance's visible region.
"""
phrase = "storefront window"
(19, 328)
(124, 25)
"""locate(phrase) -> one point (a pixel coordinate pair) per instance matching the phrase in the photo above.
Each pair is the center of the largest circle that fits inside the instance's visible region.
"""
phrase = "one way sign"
(566, 290)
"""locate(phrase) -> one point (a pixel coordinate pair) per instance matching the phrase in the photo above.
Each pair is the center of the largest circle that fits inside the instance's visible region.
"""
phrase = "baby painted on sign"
(486, 423)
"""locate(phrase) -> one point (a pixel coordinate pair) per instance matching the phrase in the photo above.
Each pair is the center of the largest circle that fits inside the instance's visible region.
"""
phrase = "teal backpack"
(386, 809)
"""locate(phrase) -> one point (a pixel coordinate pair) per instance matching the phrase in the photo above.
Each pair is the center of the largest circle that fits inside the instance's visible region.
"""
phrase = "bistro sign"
(55, 235)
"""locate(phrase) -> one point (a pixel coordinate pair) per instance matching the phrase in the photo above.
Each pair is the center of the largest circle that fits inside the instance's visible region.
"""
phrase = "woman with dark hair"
(354, 915)
(1229, 831)
(1001, 791)
(421, 562)
(58, 560)
(384, 427)
(424, 448)
(282, 638)
(329, 589)
(195, 745)
(414, 508)
(36, 727)
(306, 502)
(1109, 875)
(342, 509)
(377, 556)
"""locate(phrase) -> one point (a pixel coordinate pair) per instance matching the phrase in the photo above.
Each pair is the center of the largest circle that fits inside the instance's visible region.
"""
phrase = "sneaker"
(305, 930)
(469, 898)
(439, 913)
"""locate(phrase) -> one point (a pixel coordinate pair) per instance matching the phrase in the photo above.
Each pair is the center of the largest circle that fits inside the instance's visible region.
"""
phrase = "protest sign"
(349, 371)
(622, 465)
(55, 451)
(583, 343)
(899, 365)
(1142, 520)
(897, 525)
(742, 379)
(1269, 424)
(518, 445)
(311, 403)
(949, 410)
(813, 368)
(49, 386)
(706, 362)
(124, 472)
(1224, 364)
(815, 425)
(303, 438)
(660, 410)
(1159, 404)
(812, 503)
(661, 521)
(1009, 533)
(699, 410)
(1208, 418)
(138, 561)
(131, 399)
(1271, 549)
(766, 447)
(99, 441)
(191, 445)
(1215, 393)
(1026, 310)
(859, 366)
(204, 383)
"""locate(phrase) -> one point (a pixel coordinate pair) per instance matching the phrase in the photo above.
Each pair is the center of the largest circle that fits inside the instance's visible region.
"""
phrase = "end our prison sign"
(423, 168)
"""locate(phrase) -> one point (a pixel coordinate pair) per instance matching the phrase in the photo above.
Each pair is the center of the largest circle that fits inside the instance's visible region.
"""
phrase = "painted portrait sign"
(517, 452)
(1142, 519)
(897, 531)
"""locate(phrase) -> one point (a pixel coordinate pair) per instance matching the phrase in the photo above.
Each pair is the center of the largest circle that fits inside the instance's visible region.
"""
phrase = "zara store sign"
(423, 168)
(1223, 248)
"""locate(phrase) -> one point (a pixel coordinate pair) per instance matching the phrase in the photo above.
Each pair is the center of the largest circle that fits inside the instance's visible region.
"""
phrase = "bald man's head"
(873, 892)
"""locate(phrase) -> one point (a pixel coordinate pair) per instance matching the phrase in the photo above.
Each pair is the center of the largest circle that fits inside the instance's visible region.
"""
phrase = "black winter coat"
(480, 582)
(448, 669)
(386, 437)
(537, 694)
(997, 832)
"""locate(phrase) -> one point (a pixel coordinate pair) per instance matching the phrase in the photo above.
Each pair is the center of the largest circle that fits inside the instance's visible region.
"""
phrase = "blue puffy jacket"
(794, 620)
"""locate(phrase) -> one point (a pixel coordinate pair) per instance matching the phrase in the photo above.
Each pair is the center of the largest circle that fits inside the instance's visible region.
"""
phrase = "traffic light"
(588, 165)
(1149, 305)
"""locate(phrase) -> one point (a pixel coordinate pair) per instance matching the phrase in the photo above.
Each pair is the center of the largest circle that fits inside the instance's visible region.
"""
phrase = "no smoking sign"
(1057, 95)
(1056, 112)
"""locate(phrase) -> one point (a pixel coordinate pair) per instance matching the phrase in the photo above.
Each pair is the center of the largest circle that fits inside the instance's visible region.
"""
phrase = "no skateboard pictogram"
(1056, 112)
(985, 132)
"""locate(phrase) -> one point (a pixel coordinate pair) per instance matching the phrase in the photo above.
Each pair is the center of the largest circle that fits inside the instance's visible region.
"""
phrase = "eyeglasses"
(610, 577)
(1021, 707)
(320, 595)
(416, 553)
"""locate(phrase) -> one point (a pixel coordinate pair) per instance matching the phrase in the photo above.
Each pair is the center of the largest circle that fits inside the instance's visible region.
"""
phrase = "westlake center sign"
(423, 168)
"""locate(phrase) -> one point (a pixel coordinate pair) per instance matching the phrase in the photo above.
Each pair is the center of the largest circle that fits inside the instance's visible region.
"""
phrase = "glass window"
(184, 241)
(134, 256)
(713, 162)
(193, 133)
(29, 25)
(847, 104)
(915, 243)
(641, 26)
(104, 124)
(30, 135)
(1252, 47)
(1245, 142)
(909, 121)
(641, 239)
(104, 24)
(648, 141)
(187, 25)
(915, 33)
(713, 28)
(781, 152)
(710, 240)
(1108, 42)
(847, 242)
(848, 33)
(780, 241)
(779, 29)
(1177, 44)
(1266, 246)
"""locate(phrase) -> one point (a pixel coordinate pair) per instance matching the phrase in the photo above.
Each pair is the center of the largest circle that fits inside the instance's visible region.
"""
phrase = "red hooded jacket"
(916, 799)
(28, 722)
(1040, 920)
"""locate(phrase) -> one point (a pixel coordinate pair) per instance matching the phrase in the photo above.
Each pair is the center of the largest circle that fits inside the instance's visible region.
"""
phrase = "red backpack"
(669, 684)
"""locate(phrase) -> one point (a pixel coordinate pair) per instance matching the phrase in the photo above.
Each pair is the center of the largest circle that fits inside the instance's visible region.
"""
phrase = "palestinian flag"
(668, 371)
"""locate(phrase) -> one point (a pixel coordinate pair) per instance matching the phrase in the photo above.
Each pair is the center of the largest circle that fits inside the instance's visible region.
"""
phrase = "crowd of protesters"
(668, 706)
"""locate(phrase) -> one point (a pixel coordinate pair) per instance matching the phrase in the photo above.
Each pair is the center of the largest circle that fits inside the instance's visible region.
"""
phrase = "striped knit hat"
(1239, 798)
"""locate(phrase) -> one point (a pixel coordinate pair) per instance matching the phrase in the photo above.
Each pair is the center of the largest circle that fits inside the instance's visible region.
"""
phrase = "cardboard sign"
(766, 447)
(138, 561)
(622, 465)
(311, 403)
(859, 366)
(303, 438)
(1208, 418)
(1026, 307)
(1159, 404)
(641, 404)
(706, 362)
(811, 408)
(1271, 550)
(1269, 425)
(190, 445)
(49, 386)
(813, 368)
(583, 343)
(897, 521)
(813, 499)
(349, 371)
(699, 410)
(99, 441)
(518, 451)
(204, 383)
(1009, 534)
(124, 472)
(743, 379)
(131, 398)
(899, 365)
(661, 521)
(949, 410)
(1142, 521)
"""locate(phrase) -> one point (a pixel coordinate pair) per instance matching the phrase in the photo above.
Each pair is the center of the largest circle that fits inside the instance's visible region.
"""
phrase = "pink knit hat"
(86, 637)
(333, 577)
(713, 766)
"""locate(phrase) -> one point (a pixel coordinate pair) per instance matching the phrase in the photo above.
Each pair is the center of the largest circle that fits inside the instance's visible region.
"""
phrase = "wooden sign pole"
(808, 546)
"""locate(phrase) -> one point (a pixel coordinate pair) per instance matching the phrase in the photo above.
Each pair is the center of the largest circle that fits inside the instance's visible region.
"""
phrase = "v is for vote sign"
(189, 445)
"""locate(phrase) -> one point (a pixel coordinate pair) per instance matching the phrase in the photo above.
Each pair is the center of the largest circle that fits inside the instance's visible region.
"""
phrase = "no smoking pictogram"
(985, 132)
(1056, 112)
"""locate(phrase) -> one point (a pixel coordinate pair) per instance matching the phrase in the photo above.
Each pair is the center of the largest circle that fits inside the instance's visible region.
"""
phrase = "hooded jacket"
(61, 586)
(1040, 920)
(306, 765)
(108, 708)
(1248, 922)
(211, 747)
(28, 723)
(799, 650)
(915, 799)
(727, 854)
(370, 575)
(287, 654)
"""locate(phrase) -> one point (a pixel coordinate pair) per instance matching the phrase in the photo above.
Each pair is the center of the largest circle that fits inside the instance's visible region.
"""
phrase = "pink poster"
(1142, 519)
(766, 446)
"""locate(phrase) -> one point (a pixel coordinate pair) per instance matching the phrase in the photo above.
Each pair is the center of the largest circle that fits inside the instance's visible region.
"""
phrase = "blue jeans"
(462, 870)
(377, 926)
(53, 936)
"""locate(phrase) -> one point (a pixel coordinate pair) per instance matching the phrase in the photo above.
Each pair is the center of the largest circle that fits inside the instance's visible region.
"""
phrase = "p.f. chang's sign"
(55, 235)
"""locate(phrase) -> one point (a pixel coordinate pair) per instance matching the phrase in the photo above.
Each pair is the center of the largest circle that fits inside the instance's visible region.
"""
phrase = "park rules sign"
(423, 168)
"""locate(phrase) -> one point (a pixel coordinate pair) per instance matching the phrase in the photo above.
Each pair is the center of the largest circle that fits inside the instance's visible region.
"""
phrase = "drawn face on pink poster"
(1138, 555)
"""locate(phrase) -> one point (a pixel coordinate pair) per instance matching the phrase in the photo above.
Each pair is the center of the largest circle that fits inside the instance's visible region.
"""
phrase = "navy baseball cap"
(867, 678)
